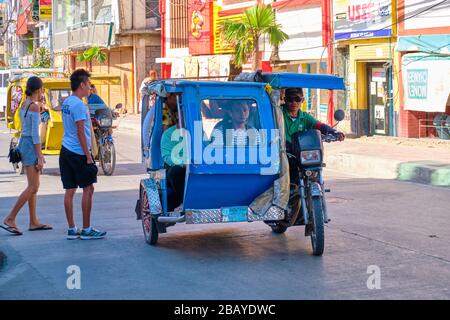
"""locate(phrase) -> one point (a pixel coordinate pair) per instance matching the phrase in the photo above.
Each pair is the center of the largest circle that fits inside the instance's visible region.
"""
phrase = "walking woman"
(32, 158)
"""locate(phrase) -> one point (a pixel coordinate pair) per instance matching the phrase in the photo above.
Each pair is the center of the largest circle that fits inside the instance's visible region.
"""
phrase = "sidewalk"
(422, 161)
(129, 122)
(425, 161)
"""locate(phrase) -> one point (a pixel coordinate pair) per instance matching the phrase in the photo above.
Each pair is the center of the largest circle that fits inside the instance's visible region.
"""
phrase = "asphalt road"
(401, 228)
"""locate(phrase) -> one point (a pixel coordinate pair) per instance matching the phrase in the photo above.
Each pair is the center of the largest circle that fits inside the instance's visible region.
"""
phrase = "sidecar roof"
(304, 80)
(181, 85)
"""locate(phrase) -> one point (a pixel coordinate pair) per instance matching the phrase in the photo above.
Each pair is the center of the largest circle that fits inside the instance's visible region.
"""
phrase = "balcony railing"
(84, 35)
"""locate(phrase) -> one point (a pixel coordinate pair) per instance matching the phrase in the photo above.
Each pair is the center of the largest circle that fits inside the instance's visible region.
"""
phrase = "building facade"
(424, 68)
(305, 51)
(26, 30)
(127, 31)
(364, 41)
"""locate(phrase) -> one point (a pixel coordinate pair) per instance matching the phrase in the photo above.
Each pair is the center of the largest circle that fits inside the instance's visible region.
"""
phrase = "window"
(57, 98)
(102, 11)
(70, 13)
(179, 24)
(234, 120)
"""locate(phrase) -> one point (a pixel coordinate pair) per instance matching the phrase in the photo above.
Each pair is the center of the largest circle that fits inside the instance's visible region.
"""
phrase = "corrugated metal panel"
(219, 46)
(372, 52)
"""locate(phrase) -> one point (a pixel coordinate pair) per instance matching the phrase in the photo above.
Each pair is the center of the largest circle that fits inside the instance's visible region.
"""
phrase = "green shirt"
(177, 147)
(303, 122)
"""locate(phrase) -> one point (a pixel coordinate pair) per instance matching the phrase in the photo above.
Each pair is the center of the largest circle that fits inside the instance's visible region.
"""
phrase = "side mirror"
(119, 106)
(339, 115)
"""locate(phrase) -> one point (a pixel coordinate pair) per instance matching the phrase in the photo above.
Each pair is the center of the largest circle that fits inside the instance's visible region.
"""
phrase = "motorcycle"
(307, 205)
(102, 123)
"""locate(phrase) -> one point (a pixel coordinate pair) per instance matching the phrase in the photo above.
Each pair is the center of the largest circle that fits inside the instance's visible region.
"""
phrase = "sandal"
(41, 228)
(10, 229)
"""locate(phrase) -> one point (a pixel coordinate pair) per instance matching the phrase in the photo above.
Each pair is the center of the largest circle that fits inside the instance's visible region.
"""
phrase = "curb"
(424, 172)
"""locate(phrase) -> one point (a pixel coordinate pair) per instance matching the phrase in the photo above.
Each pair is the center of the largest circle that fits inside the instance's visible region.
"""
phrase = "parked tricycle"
(231, 163)
(56, 90)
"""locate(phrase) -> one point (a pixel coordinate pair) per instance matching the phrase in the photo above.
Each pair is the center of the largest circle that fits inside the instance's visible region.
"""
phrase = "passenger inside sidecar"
(231, 124)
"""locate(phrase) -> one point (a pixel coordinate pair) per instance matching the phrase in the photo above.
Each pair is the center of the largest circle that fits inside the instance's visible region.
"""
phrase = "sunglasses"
(295, 98)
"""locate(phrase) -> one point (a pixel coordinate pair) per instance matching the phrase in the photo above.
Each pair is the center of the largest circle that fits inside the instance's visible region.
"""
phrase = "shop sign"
(362, 19)
(425, 82)
(417, 83)
(200, 29)
(45, 10)
(35, 11)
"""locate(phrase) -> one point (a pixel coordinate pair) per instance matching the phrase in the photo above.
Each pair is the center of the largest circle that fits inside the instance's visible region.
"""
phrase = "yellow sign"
(45, 12)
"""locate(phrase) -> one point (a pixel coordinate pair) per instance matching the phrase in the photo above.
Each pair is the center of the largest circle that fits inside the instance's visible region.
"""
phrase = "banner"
(200, 29)
(45, 10)
(425, 82)
(35, 11)
(362, 19)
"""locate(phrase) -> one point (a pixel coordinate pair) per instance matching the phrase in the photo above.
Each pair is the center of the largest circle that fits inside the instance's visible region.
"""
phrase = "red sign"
(200, 13)
(362, 12)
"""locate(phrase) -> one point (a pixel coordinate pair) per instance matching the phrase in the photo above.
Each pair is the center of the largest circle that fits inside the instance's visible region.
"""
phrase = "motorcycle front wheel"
(107, 157)
(318, 227)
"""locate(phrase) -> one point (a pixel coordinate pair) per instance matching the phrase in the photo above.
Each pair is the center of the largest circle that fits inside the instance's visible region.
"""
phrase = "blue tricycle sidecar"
(228, 138)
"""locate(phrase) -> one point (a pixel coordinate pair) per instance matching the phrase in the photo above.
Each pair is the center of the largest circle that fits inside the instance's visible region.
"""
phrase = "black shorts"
(75, 172)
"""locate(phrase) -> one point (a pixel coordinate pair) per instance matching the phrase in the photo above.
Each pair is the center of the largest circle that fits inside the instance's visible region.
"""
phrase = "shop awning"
(426, 82)
(426, 44)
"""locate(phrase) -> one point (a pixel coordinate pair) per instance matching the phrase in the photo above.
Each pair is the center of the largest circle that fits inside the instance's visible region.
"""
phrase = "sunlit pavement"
(401, 228)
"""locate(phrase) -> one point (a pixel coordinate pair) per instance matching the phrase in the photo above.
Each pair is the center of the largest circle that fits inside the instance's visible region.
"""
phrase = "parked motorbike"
(102, 122)
(307, 204)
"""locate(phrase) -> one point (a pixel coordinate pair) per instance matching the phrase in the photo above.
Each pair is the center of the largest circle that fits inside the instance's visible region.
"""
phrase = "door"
(378, 106)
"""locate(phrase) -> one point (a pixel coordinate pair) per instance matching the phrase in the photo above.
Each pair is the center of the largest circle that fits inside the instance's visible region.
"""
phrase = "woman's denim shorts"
(27, 151)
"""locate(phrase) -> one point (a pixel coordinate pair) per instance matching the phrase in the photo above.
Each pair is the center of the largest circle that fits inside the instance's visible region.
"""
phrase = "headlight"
(310, 157)
(106, 122)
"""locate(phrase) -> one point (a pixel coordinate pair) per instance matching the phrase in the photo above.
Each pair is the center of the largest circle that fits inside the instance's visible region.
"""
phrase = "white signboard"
(425, 82)
(304, 28)
(362, 19)
(434, 14)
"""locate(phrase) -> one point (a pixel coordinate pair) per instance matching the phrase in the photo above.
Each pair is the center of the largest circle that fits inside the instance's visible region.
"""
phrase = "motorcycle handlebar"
(330, 138)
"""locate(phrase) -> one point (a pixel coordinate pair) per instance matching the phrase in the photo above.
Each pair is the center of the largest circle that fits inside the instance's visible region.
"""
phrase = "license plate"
(234, 214)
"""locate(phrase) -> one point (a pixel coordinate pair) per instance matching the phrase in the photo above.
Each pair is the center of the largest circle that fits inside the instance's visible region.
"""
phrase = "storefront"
(425, 94)
(364, 35)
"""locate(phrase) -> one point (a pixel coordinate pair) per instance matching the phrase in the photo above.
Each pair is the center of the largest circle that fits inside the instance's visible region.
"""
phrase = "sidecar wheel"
(148, 222)
(318, 228)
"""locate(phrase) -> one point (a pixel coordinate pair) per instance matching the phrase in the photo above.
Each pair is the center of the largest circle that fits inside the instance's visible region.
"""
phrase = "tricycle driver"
(295, 120)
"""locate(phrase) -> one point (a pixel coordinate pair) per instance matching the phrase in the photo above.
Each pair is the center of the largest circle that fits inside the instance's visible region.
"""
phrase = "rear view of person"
(77, 166)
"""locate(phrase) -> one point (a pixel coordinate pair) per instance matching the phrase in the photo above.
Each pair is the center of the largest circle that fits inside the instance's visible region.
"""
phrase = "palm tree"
(91, 54)
(244, 35)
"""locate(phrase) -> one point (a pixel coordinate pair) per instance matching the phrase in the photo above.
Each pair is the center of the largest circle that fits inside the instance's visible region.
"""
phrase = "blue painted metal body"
(223, 185)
